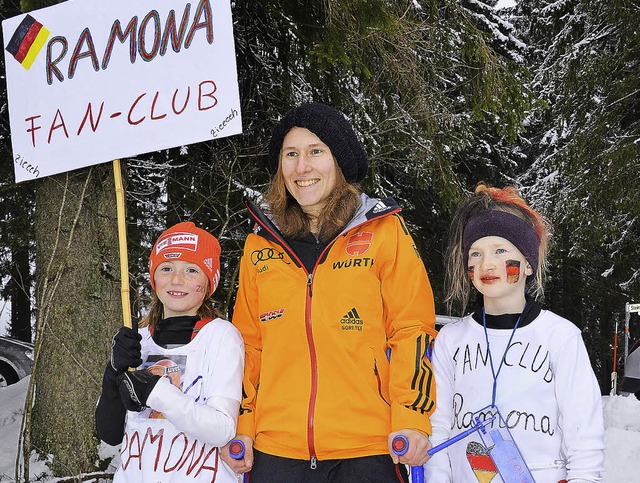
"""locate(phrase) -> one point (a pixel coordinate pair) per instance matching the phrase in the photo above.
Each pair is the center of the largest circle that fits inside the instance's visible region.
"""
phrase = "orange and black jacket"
(318, 383)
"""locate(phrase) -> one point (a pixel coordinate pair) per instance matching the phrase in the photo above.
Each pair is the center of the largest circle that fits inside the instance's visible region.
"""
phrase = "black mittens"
(135, 387)
(125, 349)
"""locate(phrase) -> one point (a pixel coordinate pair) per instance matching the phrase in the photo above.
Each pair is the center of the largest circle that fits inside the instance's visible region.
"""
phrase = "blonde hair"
(485, 198)
(293, 222)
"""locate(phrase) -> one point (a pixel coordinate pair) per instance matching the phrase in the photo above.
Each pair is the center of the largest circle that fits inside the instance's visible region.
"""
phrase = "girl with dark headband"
(510, 358)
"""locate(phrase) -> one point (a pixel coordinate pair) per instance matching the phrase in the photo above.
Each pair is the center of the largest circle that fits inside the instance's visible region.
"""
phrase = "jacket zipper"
(314, 375)
(312, 347)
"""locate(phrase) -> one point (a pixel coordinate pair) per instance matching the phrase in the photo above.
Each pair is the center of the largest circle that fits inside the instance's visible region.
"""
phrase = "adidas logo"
(352, 321)
(380, 206)
(352, 314)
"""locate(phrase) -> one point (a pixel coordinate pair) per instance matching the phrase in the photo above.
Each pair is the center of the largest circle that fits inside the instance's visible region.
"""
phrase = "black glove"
(135, 387)
(125, 349)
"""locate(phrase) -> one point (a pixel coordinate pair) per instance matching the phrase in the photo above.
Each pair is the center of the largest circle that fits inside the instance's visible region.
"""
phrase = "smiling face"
(499, 271)
(308, 168)
(181, 287)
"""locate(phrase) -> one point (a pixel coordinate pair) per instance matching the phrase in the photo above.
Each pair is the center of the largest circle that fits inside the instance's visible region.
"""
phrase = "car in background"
(16, 360)
(630, 383)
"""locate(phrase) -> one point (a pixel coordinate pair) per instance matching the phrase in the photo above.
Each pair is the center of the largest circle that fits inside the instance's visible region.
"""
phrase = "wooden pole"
(122, 244)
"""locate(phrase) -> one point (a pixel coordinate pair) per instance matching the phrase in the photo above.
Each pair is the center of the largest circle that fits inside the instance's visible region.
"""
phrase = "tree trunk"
(78, 310)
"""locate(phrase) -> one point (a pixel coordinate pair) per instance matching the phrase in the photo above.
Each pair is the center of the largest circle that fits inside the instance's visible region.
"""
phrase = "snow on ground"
(11, 407)
(621, 418)
(622, 439)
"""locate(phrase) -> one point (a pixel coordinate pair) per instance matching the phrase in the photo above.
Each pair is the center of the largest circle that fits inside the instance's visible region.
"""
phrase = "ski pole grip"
(400, 445)
(236, 449)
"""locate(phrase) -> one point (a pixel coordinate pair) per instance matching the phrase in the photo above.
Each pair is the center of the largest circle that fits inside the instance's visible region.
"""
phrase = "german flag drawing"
(481, 463)
(27, 41)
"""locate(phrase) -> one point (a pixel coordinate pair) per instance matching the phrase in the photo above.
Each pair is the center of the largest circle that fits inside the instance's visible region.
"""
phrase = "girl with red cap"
(175, 411)
(330, 282)
(510, 359)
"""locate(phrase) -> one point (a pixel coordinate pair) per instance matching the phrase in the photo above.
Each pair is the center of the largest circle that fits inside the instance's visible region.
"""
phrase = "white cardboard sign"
(89, 81)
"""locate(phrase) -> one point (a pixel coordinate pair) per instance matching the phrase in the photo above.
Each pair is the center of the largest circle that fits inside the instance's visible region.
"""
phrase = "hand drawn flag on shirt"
(27, 41)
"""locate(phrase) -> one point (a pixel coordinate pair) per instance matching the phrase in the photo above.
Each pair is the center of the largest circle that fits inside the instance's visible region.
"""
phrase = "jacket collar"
(370, 208)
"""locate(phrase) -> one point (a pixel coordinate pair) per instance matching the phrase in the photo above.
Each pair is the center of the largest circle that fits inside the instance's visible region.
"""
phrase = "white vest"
(192, 411)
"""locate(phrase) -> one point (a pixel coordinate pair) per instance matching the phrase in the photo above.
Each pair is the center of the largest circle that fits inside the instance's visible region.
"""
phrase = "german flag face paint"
(513, 270)
(471, 271)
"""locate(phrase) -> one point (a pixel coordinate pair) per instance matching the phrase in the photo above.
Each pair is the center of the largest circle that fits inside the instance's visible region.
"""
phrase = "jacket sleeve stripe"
(404, 227)
(422, 378)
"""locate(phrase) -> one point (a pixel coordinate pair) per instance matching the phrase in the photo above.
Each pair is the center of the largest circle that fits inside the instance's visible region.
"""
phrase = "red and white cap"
(188, 243)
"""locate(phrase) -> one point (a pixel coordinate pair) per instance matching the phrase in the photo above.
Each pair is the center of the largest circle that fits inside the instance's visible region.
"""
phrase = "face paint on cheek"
(513, 270)
(471, 271)
(200, 289)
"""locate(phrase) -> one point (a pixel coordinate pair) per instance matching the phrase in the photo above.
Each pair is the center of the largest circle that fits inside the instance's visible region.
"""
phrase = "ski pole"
(236, 450)
(400, 446)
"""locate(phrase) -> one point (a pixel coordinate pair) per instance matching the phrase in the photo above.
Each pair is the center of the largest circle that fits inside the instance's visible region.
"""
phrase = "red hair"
(509, 195)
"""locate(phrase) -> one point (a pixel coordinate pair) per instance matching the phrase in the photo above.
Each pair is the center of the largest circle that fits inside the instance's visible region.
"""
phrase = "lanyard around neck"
(504, 355)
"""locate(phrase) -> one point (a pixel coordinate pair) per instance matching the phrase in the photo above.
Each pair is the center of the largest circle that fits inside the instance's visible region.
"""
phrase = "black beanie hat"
(333, 129)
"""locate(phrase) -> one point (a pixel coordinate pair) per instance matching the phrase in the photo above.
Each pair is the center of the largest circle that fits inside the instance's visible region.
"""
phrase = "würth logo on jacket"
(359, 243)
(352, 321)
(353, 262)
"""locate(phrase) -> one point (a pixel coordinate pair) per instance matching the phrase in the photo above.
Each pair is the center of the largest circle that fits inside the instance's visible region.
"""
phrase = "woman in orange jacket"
(337, 313)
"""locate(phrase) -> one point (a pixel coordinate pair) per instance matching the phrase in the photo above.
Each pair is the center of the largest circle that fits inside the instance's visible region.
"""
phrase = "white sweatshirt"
(192, 412)
(546, 392)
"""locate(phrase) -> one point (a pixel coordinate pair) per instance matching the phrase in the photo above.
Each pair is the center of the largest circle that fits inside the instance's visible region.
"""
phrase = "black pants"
(370, 469)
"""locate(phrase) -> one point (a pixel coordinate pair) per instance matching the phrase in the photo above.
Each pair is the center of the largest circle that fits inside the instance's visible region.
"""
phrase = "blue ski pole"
(400, 446)
(476, 427)
(236, 450)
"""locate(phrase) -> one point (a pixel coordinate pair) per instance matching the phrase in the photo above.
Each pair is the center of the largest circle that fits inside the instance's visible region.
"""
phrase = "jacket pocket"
(378, 378)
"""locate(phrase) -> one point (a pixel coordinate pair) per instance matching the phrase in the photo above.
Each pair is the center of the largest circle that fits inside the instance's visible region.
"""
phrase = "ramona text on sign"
(148, 46)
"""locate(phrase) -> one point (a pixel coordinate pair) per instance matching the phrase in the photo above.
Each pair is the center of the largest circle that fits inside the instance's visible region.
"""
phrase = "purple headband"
(505, 225)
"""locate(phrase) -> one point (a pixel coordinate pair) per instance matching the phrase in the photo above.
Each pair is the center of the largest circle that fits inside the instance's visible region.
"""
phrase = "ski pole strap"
(400, 446)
